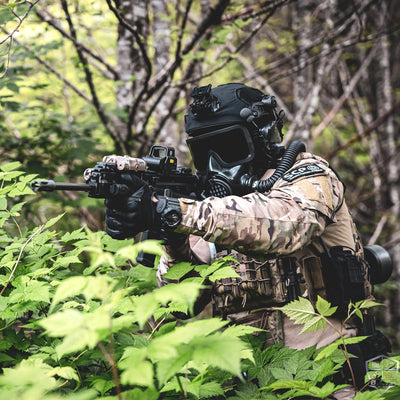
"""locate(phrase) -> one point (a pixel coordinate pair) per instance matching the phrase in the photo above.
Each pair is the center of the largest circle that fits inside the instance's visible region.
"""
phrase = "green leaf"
(300, 311)
(184, 294)
(374, 395)
(148, 246)
(37, 291)
(164, 347)
(144, 307)
(90, 286)
(354, 339)
(9, 176)
(28, 178)
(3, 203)
(240, 330)
(367, 304)
(75, 235)
(10, 166)
(224, 272)
(210, 389)
(102, 385)
(328, 350)
(280, 374)
(137, 370)
(29, 373)
(206, 270)
(14, 212)
(167, 368)
(178, 271)
(62, 323)
(325, 390)
(65, 372)
(314, 324)
(324, 307)
(79, 330)
(53, 221)
(219, 351)
(66, 261)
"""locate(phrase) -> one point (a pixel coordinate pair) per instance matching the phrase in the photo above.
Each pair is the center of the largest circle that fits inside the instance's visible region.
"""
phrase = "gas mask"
(222, 157)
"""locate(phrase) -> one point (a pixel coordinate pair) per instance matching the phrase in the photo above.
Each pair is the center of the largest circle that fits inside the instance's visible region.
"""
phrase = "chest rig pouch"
(340, 275)
(261, 284)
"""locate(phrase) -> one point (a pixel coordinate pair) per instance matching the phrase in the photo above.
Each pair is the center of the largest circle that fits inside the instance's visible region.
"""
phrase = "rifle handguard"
(170, 212)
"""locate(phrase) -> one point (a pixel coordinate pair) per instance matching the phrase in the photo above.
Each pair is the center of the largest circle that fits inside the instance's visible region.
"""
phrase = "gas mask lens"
(231, 145)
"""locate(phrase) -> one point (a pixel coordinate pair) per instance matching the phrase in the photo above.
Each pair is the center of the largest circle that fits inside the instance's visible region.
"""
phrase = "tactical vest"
(339, 275)
(261, 285)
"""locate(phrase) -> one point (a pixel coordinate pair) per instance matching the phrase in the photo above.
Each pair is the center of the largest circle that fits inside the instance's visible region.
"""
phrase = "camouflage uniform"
(306, 203)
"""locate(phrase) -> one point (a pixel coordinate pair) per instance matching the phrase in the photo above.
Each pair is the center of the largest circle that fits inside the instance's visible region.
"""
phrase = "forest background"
(82, 79)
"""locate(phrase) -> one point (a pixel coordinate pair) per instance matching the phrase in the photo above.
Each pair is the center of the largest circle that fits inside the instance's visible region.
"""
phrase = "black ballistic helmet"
(234, 121)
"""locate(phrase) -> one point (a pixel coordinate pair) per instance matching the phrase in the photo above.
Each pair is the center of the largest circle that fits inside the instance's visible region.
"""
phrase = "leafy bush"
(80, 321)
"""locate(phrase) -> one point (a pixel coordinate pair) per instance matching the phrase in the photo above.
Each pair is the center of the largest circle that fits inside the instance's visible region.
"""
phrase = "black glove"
(127, 215)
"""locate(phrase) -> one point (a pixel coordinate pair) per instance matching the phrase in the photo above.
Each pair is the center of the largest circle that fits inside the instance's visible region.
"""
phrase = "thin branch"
(19, 257)
(211, 19)
(393, 242)
(53, 70)
(10, 35)
(262, 82)
(182, 30)
(12, 127)
(271, 11)
(7, 63)
(378, 230)
(323, 71)
(20, 19)
(89, 80)
(113, 366)
(149, 68)
(133, 30)
(365, 133)
(45, 16)
(311, 60)
(249, 12)
(354, 80)
(333, 34)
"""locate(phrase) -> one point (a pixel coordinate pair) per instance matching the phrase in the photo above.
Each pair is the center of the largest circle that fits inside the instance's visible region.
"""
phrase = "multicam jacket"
(306, 203)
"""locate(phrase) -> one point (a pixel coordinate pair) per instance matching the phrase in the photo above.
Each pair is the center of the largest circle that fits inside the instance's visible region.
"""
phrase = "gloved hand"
(127, 215)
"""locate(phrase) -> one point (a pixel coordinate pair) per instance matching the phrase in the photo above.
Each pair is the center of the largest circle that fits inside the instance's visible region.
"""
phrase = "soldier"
(280, 212)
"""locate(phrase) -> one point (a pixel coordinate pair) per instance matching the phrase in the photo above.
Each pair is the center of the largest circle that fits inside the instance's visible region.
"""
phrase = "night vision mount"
(204, 102)
(263, 108)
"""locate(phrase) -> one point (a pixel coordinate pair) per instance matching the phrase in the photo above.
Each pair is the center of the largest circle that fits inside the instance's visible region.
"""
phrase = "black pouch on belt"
(345, 275)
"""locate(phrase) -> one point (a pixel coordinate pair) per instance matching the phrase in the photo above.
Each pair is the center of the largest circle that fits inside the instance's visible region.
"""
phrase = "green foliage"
(80, 320)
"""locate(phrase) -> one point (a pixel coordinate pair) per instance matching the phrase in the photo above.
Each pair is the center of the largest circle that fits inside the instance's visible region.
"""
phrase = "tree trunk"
(167, 124)
(386, 135)
(130, 63)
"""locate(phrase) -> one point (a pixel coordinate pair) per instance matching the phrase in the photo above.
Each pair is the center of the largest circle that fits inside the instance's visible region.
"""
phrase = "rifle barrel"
(49, 186)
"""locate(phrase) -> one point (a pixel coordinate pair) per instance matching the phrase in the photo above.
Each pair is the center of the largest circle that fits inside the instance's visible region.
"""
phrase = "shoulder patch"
(305, 170)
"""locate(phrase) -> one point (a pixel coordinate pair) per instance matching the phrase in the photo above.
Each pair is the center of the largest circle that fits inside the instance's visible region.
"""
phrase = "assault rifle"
(159, 169)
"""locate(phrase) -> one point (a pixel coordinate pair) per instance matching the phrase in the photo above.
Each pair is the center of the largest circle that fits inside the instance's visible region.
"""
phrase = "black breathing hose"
(288, 159)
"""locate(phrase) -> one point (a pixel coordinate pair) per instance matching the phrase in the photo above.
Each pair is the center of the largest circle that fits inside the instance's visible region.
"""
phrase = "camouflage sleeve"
(281, 221)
